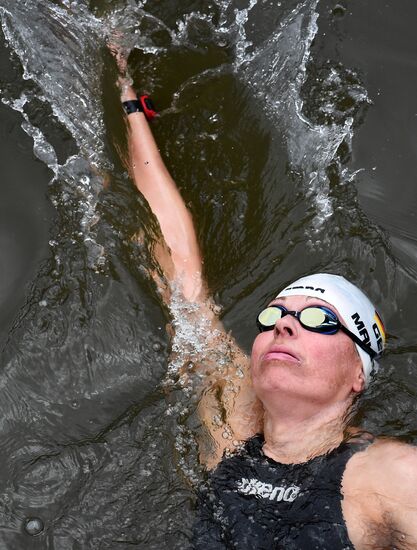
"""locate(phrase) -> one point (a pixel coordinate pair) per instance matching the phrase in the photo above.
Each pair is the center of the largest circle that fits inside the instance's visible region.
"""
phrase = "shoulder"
(386, 467)
(389, 455)
(379, 494)
(396, 460)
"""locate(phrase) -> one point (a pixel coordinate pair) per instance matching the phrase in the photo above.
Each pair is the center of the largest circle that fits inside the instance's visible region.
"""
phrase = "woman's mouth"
(280, 353)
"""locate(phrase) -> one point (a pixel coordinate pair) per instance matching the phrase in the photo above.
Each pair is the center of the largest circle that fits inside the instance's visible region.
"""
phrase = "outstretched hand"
(120, 53)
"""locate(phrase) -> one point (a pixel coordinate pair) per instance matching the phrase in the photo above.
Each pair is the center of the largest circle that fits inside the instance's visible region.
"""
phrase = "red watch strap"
(148, 107)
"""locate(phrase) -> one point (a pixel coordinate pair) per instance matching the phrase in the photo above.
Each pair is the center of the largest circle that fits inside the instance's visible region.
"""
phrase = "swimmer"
(301, 478)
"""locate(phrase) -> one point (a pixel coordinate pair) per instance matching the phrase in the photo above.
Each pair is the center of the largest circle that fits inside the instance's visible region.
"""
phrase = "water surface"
(291, 131)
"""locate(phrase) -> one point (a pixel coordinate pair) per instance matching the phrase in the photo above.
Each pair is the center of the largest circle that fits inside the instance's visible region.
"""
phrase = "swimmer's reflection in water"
(290, 474)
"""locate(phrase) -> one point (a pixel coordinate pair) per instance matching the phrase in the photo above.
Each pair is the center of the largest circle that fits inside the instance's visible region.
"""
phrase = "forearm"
(153, 180)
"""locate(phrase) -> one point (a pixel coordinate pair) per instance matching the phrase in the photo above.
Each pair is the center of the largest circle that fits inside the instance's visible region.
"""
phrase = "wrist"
(142, 104)
(132, 106)
(127, 93)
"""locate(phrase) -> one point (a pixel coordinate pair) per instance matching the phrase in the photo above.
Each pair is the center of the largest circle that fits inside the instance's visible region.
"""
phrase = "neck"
(294, 440)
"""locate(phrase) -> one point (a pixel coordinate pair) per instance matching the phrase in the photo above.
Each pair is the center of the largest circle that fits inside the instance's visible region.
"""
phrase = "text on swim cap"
(305, 288)
(360, 325)
(378, 336)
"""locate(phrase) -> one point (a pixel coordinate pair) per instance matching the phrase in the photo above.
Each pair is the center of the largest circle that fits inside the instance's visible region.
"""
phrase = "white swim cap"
(357, 311)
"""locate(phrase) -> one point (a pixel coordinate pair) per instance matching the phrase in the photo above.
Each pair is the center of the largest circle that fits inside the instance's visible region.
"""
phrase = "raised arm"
(228, 408)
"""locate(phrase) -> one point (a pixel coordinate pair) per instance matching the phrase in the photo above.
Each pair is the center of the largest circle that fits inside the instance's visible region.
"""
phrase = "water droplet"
(33, 526)
(217, 420)
(339, 10)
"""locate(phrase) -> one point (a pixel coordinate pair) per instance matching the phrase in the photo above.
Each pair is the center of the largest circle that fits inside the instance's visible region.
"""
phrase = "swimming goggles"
(314, 318)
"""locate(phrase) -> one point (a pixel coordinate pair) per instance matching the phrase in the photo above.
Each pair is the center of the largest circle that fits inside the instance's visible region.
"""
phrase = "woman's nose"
(287, 325)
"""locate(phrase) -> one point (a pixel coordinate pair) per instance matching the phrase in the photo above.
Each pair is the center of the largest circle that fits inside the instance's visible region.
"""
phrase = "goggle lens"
(313, 317)
(269, 316)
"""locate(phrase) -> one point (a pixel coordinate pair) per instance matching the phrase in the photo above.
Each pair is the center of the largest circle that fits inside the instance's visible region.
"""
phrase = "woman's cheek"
(257, 350)
(257, 345)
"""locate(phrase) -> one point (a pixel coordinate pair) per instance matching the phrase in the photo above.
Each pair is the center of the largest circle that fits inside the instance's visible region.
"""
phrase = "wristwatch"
(143, 104)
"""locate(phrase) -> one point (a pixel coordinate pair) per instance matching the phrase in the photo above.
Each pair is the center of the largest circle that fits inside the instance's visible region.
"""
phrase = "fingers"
(118, 50)
(116, 43)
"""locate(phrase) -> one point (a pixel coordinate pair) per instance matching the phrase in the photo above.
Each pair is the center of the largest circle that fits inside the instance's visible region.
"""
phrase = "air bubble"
(156, 346)
(33, 526)
(217, 420)
(339, 10)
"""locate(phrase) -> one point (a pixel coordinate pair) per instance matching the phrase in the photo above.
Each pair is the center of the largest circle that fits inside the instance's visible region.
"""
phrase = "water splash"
(194, 336)
(129, 24)
(42, 149)
(276, 72)
(58, 50)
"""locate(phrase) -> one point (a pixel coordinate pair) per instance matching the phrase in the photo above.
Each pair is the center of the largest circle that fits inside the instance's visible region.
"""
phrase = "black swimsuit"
(253, 502)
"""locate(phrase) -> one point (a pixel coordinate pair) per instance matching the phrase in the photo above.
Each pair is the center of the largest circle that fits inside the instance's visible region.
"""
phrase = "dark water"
(295, 147)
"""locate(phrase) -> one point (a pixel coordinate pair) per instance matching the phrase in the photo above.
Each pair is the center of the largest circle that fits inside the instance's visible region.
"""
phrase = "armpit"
(386, 536)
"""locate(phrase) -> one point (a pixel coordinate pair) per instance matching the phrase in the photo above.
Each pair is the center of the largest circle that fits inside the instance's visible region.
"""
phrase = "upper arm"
(394, 472)
(228, 409)
(211, 363)
(380, 502)
(401, 483)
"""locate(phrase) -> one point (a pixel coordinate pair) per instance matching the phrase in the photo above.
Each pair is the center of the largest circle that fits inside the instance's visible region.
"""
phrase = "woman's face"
(292, 361)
